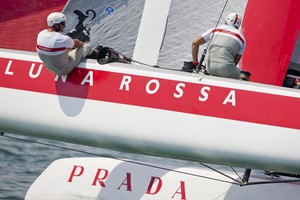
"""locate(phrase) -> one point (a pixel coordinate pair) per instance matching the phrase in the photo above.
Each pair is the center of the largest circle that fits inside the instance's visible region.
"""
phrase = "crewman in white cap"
(225, 49)
(59, 52)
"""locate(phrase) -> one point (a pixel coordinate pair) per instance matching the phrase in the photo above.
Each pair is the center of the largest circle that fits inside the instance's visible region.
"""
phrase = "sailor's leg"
(76, 56)
(219, 69)
(96, 50)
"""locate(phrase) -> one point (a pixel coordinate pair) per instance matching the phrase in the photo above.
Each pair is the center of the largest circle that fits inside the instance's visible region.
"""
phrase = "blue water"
(21, 162)
(23, 159)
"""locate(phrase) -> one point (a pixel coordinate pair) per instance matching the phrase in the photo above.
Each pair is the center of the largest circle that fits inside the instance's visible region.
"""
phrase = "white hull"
(135, 120)
(104, 178)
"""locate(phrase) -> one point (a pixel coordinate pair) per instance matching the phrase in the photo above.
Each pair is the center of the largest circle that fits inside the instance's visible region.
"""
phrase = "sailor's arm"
(237, 58)
(77, 43)
(195, 47)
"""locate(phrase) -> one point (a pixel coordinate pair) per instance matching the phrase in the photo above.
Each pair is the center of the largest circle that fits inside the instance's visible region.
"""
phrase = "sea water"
(23, 159)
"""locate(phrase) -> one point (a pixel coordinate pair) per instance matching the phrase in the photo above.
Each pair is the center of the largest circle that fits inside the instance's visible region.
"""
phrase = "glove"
(188, 66)
(195, 64)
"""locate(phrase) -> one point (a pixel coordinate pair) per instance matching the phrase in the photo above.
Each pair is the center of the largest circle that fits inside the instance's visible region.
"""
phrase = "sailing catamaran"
(160, 111)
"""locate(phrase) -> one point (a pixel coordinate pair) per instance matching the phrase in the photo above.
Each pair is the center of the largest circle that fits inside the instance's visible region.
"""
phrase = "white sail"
(165, 34)
(113, 23)
(152, 31)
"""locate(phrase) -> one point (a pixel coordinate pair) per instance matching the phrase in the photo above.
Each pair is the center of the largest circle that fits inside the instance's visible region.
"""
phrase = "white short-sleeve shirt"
(53, 43)
(227, 31)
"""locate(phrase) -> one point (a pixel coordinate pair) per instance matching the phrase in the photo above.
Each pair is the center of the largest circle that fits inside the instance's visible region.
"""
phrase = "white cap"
(233, 19)
(55, 18)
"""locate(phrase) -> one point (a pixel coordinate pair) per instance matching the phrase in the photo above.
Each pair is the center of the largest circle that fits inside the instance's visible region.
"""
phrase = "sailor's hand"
(77, 43)
(195, 64)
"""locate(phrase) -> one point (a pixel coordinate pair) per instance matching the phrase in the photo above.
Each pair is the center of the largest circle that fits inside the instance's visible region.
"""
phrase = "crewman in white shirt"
(225, 49)
(59, 52)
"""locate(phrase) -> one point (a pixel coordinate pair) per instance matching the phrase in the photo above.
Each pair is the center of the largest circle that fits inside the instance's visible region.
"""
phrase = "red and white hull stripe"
(173, 114)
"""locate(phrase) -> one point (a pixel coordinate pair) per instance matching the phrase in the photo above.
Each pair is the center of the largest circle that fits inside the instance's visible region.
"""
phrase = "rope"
(217, 22)
(221, 173)
(199, 67)
(120, 159)
(235, 182)
(237, 174)
(155, 66)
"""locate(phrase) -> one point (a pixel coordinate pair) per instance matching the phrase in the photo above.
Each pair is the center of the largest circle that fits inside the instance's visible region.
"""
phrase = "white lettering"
(88, 79)
(154, 81)
(179, 87)
(8, 68)
(63, 78)
(230, 98)
(125, 82)
(31, 75)
(204, 94)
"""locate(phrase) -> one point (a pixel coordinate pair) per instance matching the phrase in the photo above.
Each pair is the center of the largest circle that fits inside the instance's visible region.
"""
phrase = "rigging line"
(217, 22)
(121, 159)
(211, 168)
(204, 50)
(270, 182)
(237, 174)
(155, 66)
(199, 67)
(236, 182)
